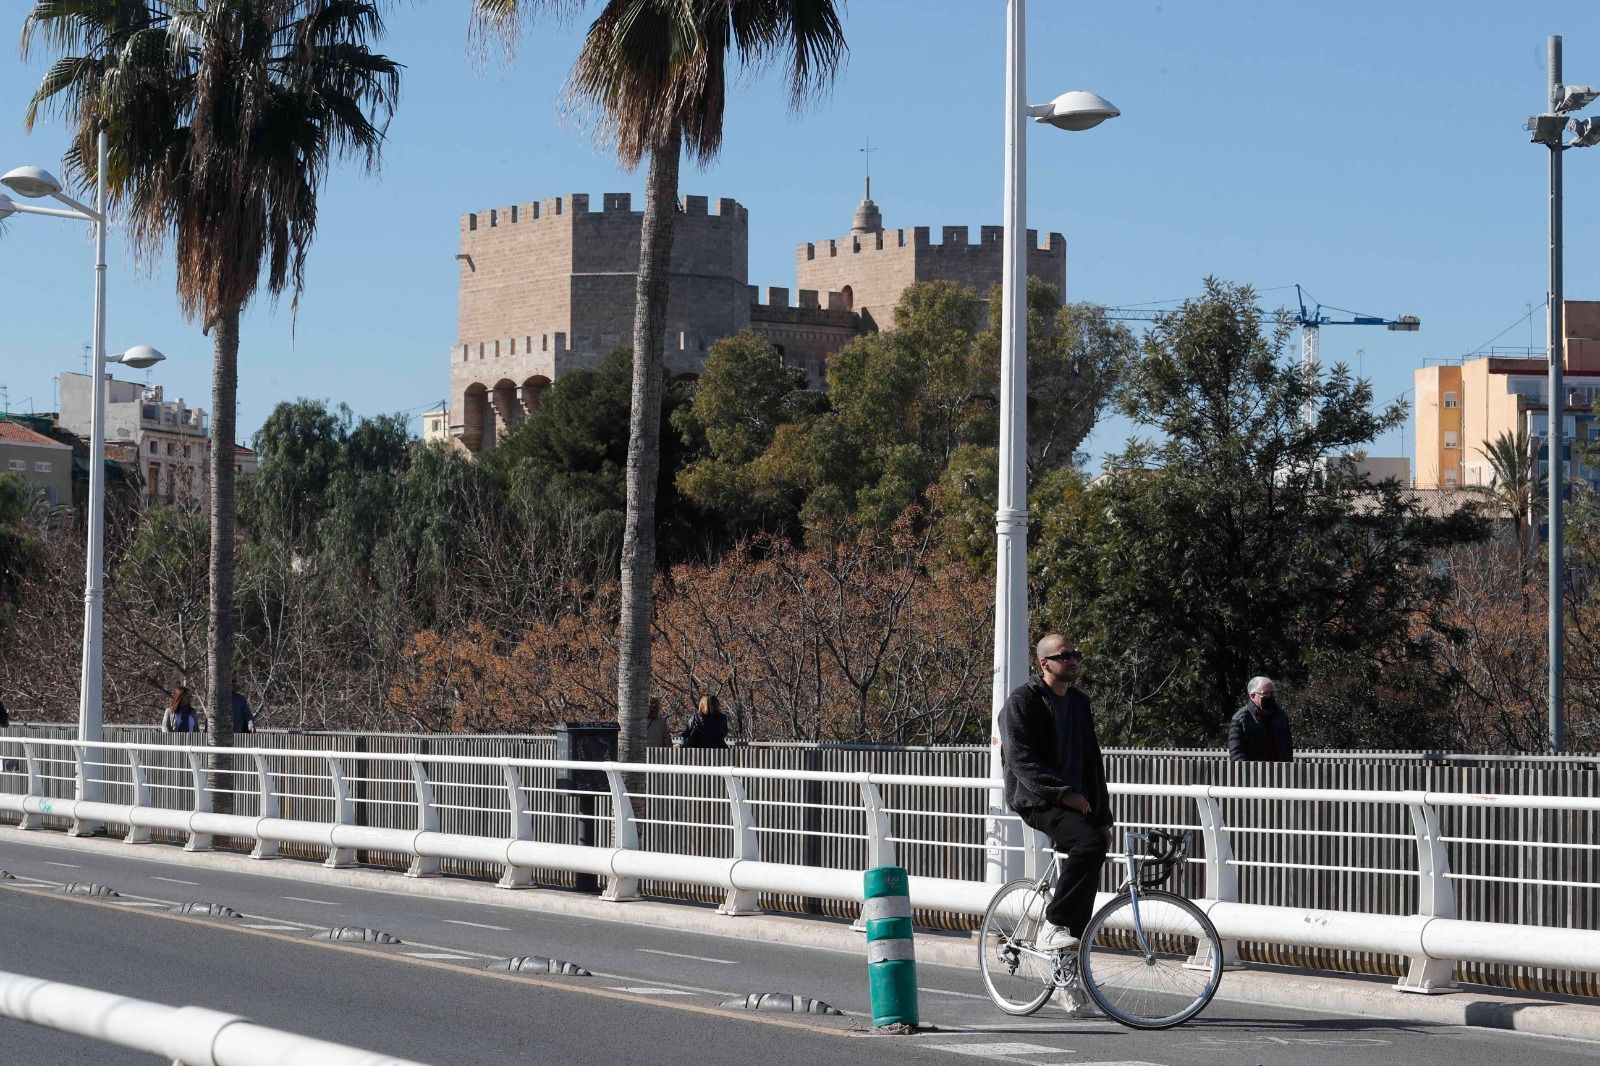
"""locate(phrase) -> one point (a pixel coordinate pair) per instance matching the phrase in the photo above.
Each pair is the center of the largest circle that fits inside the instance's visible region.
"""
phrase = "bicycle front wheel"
(1163, 981)
(1018, 978)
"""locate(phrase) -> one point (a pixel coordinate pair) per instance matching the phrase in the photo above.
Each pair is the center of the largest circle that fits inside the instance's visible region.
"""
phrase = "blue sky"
(1370, 152)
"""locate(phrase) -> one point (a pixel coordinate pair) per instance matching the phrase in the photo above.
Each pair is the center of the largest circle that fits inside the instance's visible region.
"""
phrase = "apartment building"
(45, 465)
(171, 439)
(1462, 406)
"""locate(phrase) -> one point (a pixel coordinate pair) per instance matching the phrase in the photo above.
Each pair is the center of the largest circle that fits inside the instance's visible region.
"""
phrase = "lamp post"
(1076, 110)
(35, 183)
(1547, 129)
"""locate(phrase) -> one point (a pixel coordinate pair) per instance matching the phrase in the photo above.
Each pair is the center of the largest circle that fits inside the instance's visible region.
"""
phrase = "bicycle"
(1149, 959)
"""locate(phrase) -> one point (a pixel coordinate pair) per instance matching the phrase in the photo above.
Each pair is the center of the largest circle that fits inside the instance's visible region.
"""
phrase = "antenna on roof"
(867, 151)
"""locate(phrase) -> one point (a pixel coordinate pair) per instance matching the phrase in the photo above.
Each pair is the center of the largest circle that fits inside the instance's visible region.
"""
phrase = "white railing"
(513, 814)
(186, 1036)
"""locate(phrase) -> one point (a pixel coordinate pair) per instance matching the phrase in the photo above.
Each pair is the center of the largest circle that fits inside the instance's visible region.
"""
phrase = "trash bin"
(586, 742)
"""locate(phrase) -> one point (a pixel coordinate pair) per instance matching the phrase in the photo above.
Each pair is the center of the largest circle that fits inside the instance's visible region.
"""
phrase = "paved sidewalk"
(1279, 987)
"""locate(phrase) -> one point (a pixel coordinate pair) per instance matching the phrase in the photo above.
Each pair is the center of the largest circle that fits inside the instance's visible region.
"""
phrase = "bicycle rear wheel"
(1018, 980)
(1159, 988)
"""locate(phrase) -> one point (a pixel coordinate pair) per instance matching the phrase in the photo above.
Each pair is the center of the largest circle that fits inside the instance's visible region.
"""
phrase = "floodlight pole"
(1557, 438)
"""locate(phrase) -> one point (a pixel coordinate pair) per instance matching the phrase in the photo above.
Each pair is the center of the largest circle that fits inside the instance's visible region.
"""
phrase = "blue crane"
(1309, 317)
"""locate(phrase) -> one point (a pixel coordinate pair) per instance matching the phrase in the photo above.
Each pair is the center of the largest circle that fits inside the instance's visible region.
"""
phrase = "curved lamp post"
(1077, 110)
(36, 183)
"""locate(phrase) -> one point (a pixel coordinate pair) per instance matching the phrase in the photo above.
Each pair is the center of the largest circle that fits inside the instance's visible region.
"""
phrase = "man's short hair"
(1040, 649)
(1257, 684)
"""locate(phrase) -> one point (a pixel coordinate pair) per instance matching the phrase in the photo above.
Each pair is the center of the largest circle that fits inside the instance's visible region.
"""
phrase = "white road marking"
(478, 925)
(643, 991)
(947, 992)
(697, 958)
(68, 865)
(1003, 1050)
(138, 903)
(272, 927)
(174, 880)
(434, 955)
(302, 899)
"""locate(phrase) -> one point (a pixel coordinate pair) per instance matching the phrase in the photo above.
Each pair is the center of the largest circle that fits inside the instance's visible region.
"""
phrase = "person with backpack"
(181, 716)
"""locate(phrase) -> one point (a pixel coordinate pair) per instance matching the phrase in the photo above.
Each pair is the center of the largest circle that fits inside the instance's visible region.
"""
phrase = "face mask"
(1269, 704)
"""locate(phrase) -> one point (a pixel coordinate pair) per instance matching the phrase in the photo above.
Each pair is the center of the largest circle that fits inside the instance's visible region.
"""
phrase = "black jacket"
(707, 731)
(1037, 770)
(1252, 739)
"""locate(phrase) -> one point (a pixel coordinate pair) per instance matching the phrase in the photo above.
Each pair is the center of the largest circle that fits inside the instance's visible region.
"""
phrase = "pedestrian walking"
(1055, 779)
(181, 716)
(709, 727)
(1260, 729)
(657, 734)
(5, 715)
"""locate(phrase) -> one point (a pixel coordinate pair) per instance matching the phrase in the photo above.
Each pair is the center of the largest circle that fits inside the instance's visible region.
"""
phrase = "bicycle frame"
(1130, 884)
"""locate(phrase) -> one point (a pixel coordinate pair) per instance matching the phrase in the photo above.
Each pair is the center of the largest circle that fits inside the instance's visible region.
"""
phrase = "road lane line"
(68, 865)
(302, 899)
(174, 880)
(947, 992)
(647, 990)
(275, 928)
(478, 925)
(139, 903)
(434, 955)
(697, 958)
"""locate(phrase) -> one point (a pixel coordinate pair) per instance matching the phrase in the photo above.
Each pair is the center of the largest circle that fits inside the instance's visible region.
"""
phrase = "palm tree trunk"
(219, 643)
(644, 447)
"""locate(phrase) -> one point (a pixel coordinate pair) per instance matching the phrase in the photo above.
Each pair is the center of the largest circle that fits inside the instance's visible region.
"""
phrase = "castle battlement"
(990, 239)
(805, 300)
(611, 203)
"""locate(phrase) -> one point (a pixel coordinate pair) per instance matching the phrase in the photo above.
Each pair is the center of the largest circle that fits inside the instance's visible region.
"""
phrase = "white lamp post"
(1076, 110)
(35, 183)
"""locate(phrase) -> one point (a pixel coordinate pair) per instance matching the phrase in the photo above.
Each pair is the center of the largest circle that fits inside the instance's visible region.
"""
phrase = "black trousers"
(1084, 846)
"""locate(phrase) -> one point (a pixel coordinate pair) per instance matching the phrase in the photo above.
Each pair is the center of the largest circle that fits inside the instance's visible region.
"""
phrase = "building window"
(152, 447)
(1450, 479)
(18, 464)
(1450, 440)
(1451, 400)
(155, 479)
(41, 468)
(186, 448)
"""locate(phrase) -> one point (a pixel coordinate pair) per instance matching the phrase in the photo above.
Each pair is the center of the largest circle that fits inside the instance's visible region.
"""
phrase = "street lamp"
(1076, 110)
(36, 183)
(1547, 129)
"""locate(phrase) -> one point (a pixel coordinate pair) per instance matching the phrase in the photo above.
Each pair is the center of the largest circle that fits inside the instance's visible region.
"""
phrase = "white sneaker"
(1075, 1003)
(1055, 938)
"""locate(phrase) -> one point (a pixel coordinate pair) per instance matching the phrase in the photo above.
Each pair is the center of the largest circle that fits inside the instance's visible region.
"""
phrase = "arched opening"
(474, 413)
(506, 406)
(849, 295)
(532, 392)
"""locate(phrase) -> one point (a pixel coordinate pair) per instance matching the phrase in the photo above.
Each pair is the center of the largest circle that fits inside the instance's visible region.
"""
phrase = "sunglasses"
(1065, 657)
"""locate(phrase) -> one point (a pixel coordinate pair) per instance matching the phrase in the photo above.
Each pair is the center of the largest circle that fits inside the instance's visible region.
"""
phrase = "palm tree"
(222, 118)
(1516, 485)
(654, 74)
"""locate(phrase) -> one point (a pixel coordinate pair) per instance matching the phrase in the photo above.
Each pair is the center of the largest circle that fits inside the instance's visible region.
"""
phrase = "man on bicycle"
(1055, 780)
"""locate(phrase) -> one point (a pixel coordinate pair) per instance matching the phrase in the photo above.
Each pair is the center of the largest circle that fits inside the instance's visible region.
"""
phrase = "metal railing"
(185, 1036)
(1385, 880)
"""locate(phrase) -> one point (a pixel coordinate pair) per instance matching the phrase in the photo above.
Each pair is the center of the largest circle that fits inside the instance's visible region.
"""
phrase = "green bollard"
(891, 961)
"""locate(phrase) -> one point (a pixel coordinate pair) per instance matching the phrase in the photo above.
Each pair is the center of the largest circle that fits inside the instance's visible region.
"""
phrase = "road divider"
(891, 956)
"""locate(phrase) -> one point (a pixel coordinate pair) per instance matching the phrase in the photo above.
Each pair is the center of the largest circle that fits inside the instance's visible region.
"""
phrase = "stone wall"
(806, 334)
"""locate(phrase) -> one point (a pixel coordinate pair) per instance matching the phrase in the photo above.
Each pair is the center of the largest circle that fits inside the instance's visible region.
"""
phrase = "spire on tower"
(868, 219)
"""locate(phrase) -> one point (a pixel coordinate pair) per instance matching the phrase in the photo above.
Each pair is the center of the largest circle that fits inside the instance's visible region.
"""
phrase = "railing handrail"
(192, 1036)
(1240, 792)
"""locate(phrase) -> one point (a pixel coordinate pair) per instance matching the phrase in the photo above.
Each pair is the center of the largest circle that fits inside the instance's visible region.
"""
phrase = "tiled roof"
(17, 433)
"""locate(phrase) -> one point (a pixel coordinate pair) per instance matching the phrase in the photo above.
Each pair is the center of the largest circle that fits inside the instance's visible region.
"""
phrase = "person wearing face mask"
(1260, 730)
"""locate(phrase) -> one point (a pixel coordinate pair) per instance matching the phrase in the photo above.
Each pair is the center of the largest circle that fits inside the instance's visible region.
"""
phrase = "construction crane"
(1310, 319)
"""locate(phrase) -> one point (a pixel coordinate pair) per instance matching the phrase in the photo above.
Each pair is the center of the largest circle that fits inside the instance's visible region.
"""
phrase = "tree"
(1517, 486)
(223, 117)
(654, 72)
(1232, 545)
